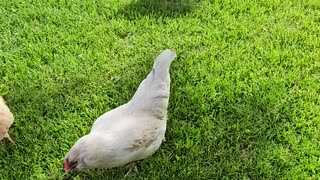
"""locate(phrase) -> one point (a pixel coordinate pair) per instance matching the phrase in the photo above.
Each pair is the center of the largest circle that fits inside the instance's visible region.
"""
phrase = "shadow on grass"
(158, 8)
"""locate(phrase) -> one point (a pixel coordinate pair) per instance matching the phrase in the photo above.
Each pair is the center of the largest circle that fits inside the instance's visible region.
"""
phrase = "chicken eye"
(73, 164)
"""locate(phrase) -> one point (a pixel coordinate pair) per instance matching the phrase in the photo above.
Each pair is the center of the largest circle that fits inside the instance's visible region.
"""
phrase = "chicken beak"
(66, 166)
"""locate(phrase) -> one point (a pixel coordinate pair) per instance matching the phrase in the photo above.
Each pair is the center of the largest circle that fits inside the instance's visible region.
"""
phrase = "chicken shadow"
(158, 8)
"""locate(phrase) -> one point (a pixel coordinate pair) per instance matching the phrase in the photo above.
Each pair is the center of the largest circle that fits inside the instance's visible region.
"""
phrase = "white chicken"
(131, 132)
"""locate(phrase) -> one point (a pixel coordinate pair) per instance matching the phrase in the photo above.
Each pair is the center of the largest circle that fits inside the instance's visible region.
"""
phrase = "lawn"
(245, 91)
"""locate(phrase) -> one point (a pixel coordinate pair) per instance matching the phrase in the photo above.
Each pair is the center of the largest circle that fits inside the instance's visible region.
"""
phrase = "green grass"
(245, 94)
